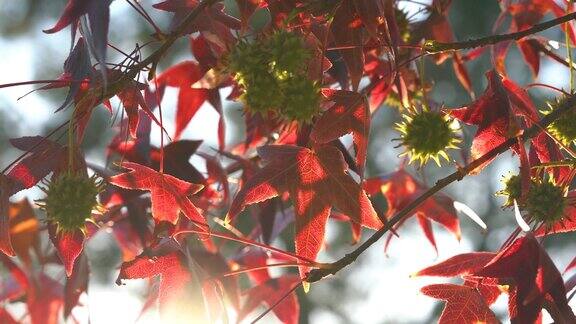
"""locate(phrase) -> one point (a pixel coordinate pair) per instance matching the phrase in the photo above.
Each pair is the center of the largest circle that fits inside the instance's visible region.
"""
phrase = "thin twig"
(434, 47)
(276, 303)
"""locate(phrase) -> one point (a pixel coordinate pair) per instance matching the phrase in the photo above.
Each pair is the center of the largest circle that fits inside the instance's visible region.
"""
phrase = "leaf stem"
(308, 262)
(434, 47)
(332, 268)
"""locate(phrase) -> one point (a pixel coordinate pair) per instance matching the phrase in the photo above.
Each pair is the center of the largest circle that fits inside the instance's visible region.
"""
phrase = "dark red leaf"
(534, 275)
(5, 192)
(76, 284)
(458, 265)
(43, 157)
(400, 188)
(68, 245)
(347, 33)
(463, 304)
(492, 112)
(349, 114)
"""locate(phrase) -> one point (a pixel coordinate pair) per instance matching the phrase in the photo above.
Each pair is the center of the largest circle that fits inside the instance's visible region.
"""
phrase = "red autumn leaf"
(316, 181)
(372, 14)
(347, 32)
(462, 73)
(212, 19)
(98, 13)
(183, 76)
(463, 304)
(42, 158)
(45, 301)
(5, 242)
(17, 274)
(174, 278)
(534, 275)
(177, 160)
(543, 150)
(169, 195)
(76, 284)
(494, 114)
(531, 55)
(487, 287)
(5, 317)
(131, 99)
(400, 188)
(269, 293)
(349, 114)
(69, 246)
(23, 229)
(77, 71)
(461, 264)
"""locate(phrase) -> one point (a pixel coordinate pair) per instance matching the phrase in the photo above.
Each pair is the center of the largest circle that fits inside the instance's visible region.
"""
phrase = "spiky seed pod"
(427, 135)
(512, 190)
(272, 74)
(287, 52)
(563, 128)
(302, 100)
(70, 200)
(545, 201)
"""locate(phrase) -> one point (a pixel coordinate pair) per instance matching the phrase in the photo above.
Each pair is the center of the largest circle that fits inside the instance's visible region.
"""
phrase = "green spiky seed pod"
(262, 93)
(287, 52)
(427, 135)
(70, 200)
(272, 74)
(545, 202)
(563, 128)
(512, 190)
(302, 100)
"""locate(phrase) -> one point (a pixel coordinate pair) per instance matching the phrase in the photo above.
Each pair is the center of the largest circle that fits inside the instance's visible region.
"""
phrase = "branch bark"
(434, 47)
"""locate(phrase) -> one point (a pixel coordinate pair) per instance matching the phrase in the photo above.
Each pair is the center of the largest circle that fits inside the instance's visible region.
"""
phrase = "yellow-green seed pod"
(70, 200)
(563, 128)
(427, 135)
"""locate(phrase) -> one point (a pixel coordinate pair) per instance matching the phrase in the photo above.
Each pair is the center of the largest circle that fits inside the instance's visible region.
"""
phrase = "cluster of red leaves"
(158, 203)
(523, 270)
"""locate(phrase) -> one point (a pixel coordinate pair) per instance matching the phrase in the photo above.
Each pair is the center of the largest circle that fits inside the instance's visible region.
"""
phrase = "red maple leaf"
(349, 114)
(169, 195)
(461, 264)
(174, 281)
(69, 246)
(269, 293)
(463, 304)
(5, 241)
(400, 189)
(316, 181)
(494, 114)
(347, 32)
(98, 13)
(183, 76)
(535, 277)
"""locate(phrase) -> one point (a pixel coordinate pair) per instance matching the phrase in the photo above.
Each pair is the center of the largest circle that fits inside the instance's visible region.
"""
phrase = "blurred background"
(377, 288)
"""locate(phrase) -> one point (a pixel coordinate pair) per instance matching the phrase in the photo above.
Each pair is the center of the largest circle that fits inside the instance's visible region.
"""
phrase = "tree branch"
(332, 268)
(434, 47)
